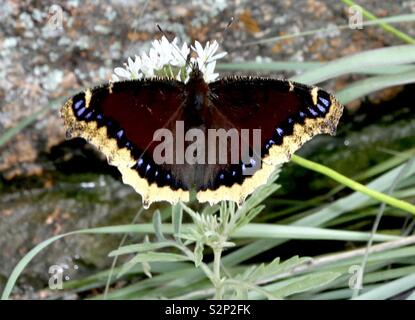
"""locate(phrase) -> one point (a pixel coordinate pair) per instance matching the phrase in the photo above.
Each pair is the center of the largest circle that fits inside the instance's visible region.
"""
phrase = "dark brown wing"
(288, 114)
(120, 119)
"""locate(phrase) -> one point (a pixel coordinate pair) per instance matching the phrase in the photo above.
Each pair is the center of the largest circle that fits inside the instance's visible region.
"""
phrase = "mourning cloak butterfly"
(121, 119)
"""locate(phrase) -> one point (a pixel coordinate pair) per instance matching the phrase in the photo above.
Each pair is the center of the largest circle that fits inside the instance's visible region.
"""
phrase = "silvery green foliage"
(212, 229)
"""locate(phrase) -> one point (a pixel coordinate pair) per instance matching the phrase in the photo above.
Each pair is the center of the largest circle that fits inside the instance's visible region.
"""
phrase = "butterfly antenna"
(226, 29)
(221, 37)
(185, 59)
(141, 15)
(162, 32)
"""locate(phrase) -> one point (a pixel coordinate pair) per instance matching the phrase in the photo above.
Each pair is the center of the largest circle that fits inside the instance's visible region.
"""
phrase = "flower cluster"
(167, 59)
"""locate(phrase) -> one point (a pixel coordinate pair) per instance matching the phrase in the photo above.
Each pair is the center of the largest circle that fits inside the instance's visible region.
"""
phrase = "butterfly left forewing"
(120, 120)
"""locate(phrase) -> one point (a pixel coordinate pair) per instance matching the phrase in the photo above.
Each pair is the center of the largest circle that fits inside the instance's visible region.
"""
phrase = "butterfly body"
(123, 120)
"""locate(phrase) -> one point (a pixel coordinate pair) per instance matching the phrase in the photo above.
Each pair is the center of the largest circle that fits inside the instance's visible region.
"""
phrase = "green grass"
(385, 25)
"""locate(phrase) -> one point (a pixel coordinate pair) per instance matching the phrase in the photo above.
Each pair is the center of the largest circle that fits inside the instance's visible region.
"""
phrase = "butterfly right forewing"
(288, 114)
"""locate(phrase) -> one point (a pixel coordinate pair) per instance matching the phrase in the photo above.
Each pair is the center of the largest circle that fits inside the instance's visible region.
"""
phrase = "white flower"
(179, 56)
(206, 54)
(208, 73)
(150, 62)
(163, 50)
(169, 60)
(206, 59)
(132, 70)
(134, 67)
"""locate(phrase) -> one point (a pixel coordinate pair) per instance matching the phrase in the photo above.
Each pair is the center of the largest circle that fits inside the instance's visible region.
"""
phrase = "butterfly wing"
(120, 119)
(288, 114)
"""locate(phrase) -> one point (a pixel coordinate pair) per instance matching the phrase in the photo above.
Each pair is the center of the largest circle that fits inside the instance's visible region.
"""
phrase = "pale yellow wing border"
(123, 160)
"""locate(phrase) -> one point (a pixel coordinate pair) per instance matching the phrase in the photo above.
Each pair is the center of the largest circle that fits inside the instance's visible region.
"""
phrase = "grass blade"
(372, 58)
(390, 289)
(403, 205)
(363, 87)
(384, 25)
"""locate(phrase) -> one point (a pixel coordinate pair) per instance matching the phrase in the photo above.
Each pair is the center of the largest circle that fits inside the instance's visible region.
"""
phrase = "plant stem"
(385, 26)
(217, 253)
(393, 202)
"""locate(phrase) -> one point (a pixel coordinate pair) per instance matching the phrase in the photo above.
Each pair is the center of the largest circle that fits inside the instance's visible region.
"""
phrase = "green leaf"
(260, 195)
(147, 269)
(177, 217)
(354, 200)
(382, 197)
(151, 257)
(301, 284)
(249, 216)
(366, 86)
(390, 289)
(159, 256)
(375, 21)
(140, 247)
(198, 253)
(262, 231)
(158, 225)
(297, 65)
(189, 211)
(248, 230)
(411, 296)
(269, 66)
(210, 210)
(384, 24)
(241, 286)
(369, 59)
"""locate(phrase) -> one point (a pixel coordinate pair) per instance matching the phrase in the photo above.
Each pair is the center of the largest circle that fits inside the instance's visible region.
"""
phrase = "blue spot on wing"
(324, 101)
(78, 104)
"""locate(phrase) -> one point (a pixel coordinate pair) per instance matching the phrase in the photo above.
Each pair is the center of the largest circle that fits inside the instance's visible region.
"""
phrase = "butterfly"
(121, 119)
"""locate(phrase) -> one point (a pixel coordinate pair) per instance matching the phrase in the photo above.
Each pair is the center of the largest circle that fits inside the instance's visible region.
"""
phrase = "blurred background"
(51, 49)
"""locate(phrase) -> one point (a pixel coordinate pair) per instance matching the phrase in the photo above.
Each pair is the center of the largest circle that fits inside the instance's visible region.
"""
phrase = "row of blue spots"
(324, 101)
(83, 113)
(322, 106)
(252, 163)
(286, 129)
(120, 134)
(153, 173)
(79, 108)
(234, 174)
(312, 112)
(146, 169)
(278, 136)
(229, 177)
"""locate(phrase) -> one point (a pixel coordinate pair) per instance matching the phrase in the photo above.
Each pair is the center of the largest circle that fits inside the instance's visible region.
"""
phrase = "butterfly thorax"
(196, 98)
